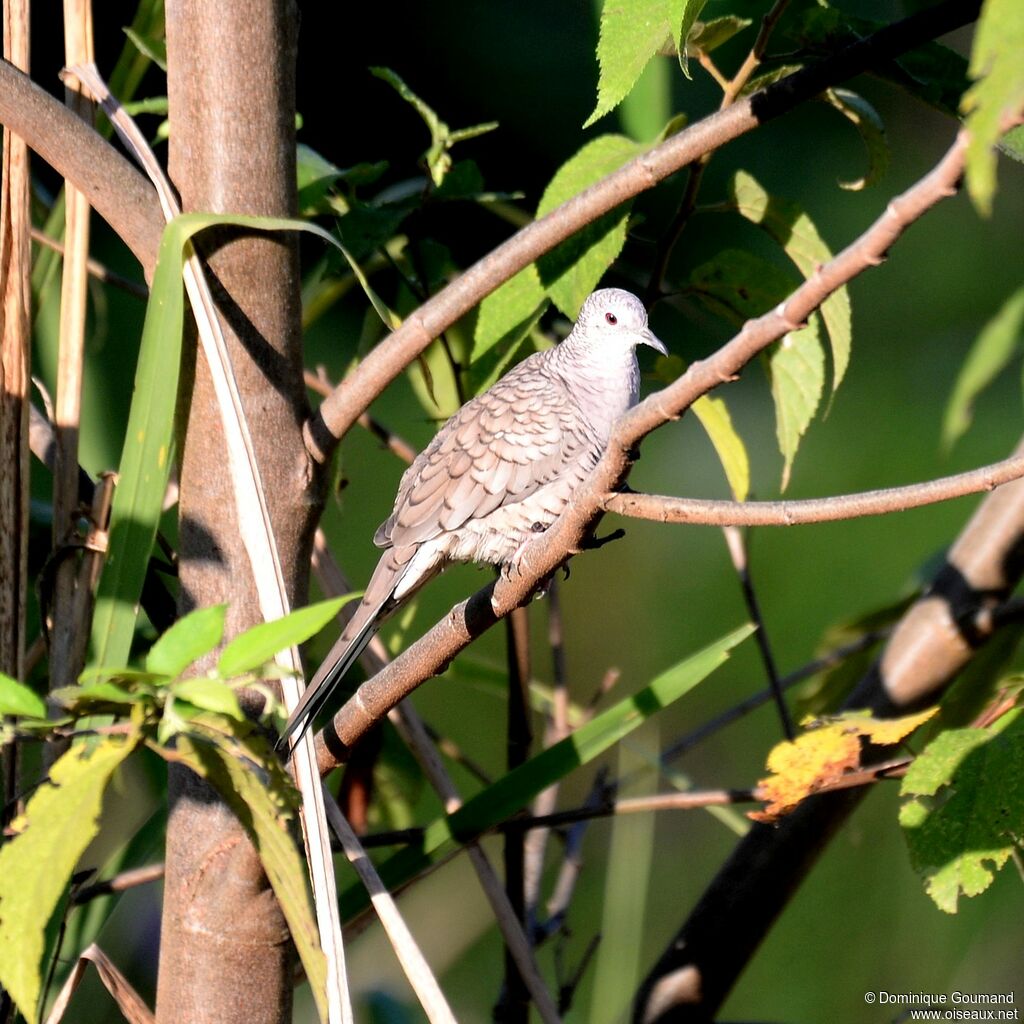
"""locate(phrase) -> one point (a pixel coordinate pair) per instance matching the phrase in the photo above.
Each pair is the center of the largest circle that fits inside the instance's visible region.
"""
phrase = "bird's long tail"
(377, 604)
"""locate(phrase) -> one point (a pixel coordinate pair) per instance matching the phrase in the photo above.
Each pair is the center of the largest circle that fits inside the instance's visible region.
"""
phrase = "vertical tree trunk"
(225, 950)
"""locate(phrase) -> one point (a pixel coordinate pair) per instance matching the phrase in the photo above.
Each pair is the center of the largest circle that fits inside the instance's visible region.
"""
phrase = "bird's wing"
(498, 449)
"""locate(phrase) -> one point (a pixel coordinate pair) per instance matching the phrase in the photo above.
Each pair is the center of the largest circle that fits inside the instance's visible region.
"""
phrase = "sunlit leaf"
(486, 370)
(963, 816)
(573, 269)
(209, 695)
(997, 93)
(714, 417)
(507, 307)
(265, 803)
(794, 230)
(189, 638)
(796, 366)
(823, 754)
(872, 131)
(258, 645)
(18, 699)
(60, 821)
(999, 341)
(631, 33)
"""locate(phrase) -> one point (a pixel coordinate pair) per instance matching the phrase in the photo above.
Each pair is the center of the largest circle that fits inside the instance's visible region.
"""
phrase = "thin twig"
(708, 512)
(737, 546)
(119, 883)
(96, 269)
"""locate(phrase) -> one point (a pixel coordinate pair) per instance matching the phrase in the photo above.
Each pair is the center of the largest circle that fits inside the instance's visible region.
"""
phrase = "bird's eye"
(611, 318)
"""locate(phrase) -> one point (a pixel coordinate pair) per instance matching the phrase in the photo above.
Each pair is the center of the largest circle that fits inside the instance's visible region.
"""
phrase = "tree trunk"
(225, 950)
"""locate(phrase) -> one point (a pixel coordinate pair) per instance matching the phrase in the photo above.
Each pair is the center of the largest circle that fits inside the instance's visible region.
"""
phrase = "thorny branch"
(431, 653)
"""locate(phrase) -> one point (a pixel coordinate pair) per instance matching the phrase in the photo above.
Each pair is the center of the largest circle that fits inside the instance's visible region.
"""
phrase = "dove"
(499, 472)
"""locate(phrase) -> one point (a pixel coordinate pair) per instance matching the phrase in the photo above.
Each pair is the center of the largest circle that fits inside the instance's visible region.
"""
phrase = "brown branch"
(340, 411)
(115, 189)
(431, 654)
(96, 269)
(704, 512)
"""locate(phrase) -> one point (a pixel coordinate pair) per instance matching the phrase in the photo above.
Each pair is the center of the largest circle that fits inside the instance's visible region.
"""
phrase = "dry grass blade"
(67, 651)
(132, 1008)
(15, 317)
(257, 536)
(416, 968)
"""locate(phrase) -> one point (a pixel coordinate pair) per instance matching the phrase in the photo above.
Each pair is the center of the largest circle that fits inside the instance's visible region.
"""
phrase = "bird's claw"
(593, 543)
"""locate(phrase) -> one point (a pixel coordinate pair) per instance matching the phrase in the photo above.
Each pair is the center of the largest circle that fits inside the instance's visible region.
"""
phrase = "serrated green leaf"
(265, 803)
(256, 646)
(209, 695)
(60, 821)
(872, 131)
(513, 791)
(189, 638)
(740, 286)
(1012, 144)
(18, 699)
(997, 93)
(796, 365)
(572, 270)
(707, 36)
(506, 308)
(485, 371)
(997, 343)
(964, 810)
(714, 417)
(794, 230)
(648, 105)
(631, 33)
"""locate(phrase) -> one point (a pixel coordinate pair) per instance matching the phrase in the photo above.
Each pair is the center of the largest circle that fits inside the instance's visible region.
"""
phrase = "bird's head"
(614, 317)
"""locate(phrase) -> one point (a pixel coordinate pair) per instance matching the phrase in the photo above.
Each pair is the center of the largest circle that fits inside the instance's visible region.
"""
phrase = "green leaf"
(60, 821)
(506, 308)
(741, 286)
(96, 698)
(484, 371)
(707, 36)
(265, 803)
(145, 460)
(999, 341)
(648, 105)
(964, 812)
(631, 33)
(872, 131)
(154, 47)
(255, 647)
(513, 791)
(210, 695)
(18, 699)
(189, 638)
(442, 138)
(797, 369)
(684, 14)
(572, 270)
(714, 417)
(794, 230)
(997, 93)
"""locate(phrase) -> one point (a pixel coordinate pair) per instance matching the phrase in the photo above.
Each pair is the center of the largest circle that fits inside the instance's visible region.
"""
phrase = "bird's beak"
(648, 338)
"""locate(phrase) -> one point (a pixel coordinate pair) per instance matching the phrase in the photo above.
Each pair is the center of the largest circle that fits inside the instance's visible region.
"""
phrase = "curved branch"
(704, 512)
(431, 654)
(119, 193)
(339, 412)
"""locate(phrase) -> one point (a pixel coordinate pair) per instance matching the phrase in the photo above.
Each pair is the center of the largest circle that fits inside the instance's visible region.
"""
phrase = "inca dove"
(499, 471)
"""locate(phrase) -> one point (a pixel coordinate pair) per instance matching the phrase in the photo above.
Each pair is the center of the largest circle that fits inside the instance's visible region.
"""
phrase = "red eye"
(611, 318)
